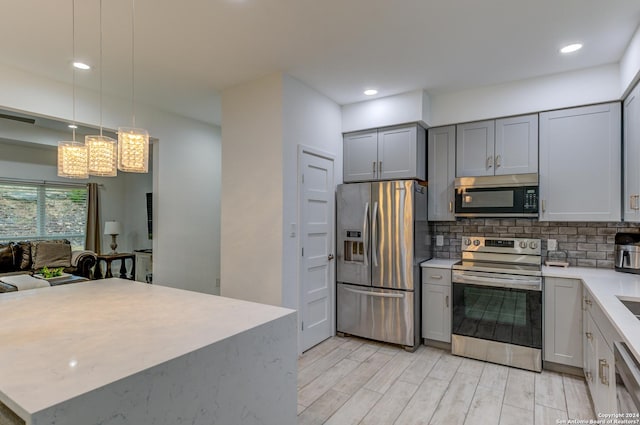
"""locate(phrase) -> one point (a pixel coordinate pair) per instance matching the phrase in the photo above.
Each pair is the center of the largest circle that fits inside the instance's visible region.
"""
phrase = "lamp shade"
(72, 160)
(103, 154)
(112, 228)
(133, 150)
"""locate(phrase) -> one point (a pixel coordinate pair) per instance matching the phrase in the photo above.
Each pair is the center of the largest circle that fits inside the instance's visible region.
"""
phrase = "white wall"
(252, 191)
(186, 179)
(593, 85)
(313, 120)
(414, 106)
(630, 64)
(117, 199)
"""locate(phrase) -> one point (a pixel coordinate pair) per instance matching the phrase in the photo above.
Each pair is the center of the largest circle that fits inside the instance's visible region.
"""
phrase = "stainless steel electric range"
(497, 301)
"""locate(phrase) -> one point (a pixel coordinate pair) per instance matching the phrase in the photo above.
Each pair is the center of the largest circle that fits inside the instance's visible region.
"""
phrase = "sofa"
(29, 257)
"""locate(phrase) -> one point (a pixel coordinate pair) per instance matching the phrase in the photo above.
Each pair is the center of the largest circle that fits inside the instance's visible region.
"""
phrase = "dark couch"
(28, 257)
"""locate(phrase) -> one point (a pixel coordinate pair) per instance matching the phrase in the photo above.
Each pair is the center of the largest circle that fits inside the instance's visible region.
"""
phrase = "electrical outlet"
(439, 240)
(552, 244)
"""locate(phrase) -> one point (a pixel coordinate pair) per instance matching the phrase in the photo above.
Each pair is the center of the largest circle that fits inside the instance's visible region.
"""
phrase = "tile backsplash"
(586, 244)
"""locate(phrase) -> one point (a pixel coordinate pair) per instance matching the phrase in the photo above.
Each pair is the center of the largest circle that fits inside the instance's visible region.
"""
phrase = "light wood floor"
(353, 381)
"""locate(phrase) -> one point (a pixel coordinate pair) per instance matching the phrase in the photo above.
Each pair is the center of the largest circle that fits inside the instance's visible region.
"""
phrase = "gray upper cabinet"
(516, 149)
(385, 154)
(474, 148)
(441, 158)
(580, 164)
(498, 147)
(632, 156)
(360, 156)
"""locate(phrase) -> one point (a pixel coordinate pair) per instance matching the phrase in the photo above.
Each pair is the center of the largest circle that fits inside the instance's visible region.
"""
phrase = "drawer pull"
(436, 277)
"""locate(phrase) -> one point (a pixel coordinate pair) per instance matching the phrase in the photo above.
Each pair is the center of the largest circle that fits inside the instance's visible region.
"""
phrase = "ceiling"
(187, 52)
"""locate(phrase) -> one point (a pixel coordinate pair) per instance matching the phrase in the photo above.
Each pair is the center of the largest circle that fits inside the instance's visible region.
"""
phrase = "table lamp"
(112, 228)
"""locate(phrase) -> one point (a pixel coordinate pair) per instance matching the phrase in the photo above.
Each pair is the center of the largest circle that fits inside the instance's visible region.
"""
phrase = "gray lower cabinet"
(599, 366)
(436, 304)
(563, 321)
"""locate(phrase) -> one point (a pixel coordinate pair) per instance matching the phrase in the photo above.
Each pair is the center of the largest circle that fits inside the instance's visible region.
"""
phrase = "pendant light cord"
(133, 77)
(100, 68)
(73, 53)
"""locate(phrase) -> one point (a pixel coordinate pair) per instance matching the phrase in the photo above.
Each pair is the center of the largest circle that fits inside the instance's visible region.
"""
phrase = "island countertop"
(61, 342)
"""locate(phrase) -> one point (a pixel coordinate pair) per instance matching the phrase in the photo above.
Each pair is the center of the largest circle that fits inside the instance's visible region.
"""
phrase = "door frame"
(309, 150)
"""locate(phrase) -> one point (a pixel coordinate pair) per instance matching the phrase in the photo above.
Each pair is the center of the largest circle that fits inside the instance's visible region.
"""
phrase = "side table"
(108, 259)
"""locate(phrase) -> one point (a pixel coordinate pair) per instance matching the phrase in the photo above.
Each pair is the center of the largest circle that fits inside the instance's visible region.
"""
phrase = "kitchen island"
(120, 352)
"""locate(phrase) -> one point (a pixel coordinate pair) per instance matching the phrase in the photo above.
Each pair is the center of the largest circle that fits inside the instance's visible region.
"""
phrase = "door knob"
(330, 257)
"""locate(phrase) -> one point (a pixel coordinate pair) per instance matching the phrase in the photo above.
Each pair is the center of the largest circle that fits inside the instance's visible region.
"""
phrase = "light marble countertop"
(60, 342)
(606, 285)
(440, 263)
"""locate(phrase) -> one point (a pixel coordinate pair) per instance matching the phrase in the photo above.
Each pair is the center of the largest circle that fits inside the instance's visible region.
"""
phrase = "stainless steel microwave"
(514, 195)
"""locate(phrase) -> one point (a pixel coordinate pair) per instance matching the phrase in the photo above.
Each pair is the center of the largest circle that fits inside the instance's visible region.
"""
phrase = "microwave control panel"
(531, 199)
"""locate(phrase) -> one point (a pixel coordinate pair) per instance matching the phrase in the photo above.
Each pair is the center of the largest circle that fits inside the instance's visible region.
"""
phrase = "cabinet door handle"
(489, 162)
(380, 168)
(446, 301)
(374, 168)
(604, 376)
(589, 335)
(588, 302)
(544, 206)
(635, 205)
(498, 161)
(450, 206)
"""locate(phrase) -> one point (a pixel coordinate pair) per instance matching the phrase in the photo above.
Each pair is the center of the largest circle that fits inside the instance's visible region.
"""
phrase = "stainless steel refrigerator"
(382, 237)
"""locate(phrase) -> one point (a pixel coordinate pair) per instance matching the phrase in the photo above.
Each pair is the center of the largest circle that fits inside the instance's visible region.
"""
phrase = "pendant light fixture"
(72, 155)
(133, 143)
(102, 150)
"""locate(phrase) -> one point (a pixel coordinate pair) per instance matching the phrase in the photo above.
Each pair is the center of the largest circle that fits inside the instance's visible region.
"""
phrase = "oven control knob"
(476, 242)
(533, 244)
(523, 244)
(467, 242)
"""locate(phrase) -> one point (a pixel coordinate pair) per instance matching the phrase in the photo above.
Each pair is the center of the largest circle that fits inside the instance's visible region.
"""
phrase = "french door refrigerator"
(382, 237)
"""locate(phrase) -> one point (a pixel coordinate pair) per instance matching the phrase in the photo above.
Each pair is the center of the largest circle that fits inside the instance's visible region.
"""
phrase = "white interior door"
(317, 267)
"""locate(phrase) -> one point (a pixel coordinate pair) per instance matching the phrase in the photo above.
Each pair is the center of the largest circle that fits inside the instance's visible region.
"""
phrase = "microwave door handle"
(365, 233)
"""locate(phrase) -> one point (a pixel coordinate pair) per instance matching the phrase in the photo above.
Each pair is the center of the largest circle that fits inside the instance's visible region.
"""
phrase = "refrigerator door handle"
(375, 294)
(401, 224)
(365, 226)
(374, 234)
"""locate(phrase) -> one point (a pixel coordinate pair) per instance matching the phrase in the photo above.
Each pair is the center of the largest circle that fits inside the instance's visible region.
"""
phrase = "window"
(43, 211)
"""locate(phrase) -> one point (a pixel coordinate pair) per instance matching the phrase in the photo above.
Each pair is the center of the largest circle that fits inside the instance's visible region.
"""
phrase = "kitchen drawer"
(436, 276)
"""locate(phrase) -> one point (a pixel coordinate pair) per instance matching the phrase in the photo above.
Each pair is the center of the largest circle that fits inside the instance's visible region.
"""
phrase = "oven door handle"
(531, 284)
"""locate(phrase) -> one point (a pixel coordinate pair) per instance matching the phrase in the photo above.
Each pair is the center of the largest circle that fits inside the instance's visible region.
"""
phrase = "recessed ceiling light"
(370, 92)
(80, 65)
(73, 126)
(571, 48)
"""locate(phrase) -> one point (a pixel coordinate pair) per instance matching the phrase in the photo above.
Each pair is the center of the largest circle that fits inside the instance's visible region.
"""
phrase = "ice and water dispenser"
(353, 247)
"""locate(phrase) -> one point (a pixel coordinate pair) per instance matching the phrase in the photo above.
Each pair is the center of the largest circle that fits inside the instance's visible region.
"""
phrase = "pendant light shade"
(102, 152)
(72, 160)
(133, 150)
